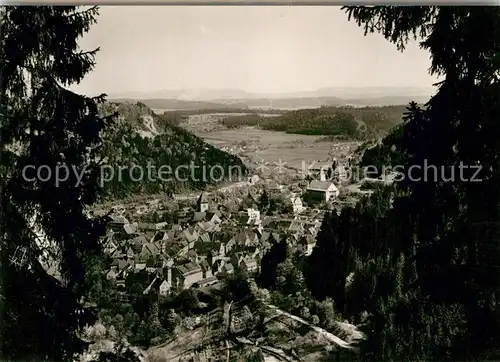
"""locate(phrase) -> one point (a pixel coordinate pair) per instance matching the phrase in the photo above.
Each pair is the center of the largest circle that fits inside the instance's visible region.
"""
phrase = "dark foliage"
(44, 124)
(172, 160)
(340, 122)
(423, 256)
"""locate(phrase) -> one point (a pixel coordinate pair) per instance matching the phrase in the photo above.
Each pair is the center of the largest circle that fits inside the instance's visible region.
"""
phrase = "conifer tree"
(43, 124)
(451, 221)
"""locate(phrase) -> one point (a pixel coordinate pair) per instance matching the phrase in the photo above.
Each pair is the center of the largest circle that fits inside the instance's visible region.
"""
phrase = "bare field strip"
(268, 146)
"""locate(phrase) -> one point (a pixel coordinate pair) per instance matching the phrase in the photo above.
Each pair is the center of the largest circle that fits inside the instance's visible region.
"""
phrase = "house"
(183, 219)
(207, 226)
(167, 262)
(227, 268)
(110, 234)
(154, 265)
(137, 242)
(200, 227)
(249, 264)
(130, 229)
(214, 217)
(252, 180)
(322, 191)
(207, 270)
(236, 258)
(205, 238)
(244, 239)
(266, 220)
(254, 215)
(191, 236)
(256, 253)
(117, 221)
(230, 244)
(209, 281)
(188, 274)
(117, 254)
(306, 244)
(130, 253)
(112, 274)
(242, 219)
(161, 225)
(218, 252)
(296, 227)
(294, 238)
(172, 234)
(340, 173)
(276, 238)
(165, 288)
(297, 205)
(149, 250)
(202, 203)
(140, 265)
(175, 250)
(110, 247)
(279, 225)
(199, 216)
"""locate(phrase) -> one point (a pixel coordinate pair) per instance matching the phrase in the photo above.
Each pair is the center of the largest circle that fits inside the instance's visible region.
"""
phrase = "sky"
(255, 49)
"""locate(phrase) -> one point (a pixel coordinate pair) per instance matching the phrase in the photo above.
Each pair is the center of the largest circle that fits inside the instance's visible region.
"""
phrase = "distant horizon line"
(426, 89)
(270, 92)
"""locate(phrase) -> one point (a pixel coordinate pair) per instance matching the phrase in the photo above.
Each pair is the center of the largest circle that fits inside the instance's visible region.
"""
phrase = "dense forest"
(165, 144)
(424, 257)
(44, 123)
(348, 122)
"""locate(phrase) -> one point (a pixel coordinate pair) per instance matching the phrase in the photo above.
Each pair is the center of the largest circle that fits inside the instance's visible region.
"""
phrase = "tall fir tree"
(450, 219)
(45, 125)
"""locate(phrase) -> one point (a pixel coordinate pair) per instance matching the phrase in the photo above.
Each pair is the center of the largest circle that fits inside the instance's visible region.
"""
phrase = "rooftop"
(203, 199)
(189, 268)
(321, 185)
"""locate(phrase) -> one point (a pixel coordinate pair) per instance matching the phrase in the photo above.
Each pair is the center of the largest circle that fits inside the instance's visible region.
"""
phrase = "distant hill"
(139, 137)
(176, 104)
(177, 100)
(188, 94)
(222, 95)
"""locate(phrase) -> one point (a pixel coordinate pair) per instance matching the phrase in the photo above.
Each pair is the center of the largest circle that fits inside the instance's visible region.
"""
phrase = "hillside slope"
(147, 155)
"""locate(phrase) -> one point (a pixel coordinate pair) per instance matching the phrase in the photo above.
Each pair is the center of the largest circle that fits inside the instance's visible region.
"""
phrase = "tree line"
(350, 122)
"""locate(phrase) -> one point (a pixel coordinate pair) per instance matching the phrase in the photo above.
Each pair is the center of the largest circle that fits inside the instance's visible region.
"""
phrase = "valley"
(198, 241)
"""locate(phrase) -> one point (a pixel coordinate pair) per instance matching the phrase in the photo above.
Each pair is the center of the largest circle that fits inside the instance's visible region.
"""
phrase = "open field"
(255, 145)
(199, 123)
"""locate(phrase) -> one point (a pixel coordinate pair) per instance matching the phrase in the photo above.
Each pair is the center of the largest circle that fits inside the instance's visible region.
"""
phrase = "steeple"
(202, 203)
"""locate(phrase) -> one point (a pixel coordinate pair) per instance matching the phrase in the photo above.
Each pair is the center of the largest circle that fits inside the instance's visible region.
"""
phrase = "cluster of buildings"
(205, 243)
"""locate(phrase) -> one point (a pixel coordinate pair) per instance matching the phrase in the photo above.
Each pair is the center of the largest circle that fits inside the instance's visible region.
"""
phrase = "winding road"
(329, 336)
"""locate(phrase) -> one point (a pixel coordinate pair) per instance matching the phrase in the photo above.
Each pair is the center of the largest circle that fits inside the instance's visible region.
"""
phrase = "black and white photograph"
(253, 183)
